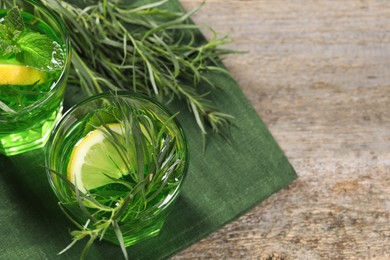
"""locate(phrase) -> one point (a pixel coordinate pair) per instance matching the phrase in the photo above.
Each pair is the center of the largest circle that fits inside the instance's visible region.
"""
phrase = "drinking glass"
(31, 98)
(115, 153)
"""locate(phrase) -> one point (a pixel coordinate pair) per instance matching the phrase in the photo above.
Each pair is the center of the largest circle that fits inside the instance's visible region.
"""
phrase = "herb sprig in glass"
(155, 160)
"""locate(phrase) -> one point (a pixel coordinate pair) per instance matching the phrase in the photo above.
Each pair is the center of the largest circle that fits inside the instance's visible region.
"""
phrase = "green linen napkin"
(223, 183)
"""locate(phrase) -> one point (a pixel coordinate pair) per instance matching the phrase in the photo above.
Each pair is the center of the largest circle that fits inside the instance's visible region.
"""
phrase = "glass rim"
(49, 156)
(65, 36)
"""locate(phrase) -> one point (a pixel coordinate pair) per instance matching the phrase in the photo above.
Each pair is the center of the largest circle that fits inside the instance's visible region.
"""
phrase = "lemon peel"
(13, 74)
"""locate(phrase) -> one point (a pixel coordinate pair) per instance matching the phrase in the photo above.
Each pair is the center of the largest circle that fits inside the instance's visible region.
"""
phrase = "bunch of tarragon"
(145, 48)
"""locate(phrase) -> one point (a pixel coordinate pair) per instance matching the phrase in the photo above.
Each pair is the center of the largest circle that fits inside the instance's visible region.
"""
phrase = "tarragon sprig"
(148, 49)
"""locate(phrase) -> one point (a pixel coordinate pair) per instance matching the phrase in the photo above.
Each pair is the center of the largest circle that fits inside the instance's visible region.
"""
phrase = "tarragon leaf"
(6, 108)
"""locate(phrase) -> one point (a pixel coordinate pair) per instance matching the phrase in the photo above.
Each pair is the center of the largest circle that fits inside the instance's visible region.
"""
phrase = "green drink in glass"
(34, 62)
(117, 163)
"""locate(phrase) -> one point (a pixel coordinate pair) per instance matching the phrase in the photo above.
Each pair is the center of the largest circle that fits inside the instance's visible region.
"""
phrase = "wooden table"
(318, 73)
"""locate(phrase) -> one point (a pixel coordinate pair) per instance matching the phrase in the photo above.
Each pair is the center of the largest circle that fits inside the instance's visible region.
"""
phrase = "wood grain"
(318, 73)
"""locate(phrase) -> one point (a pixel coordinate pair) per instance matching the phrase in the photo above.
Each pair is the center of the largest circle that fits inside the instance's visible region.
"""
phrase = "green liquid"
(146, 213)
(37, 107)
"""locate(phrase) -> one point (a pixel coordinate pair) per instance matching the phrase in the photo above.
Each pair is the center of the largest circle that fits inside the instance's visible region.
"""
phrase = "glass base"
(34, 138)
(136, 232)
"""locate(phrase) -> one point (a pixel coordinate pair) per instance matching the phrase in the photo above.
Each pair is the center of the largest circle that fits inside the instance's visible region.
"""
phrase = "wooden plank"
(317, 72)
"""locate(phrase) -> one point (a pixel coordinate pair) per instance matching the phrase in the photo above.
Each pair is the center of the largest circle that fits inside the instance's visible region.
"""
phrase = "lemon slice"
(12, 74)
(95, 161)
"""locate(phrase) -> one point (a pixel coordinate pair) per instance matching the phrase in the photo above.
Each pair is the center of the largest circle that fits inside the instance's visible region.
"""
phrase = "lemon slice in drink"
(95, 161)
(12, 74)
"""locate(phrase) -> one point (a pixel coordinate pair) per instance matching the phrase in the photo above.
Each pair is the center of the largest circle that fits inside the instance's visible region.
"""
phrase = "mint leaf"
(14, 20)
(10, 31)
(3, 30)
(10, 49)
(37, 51)
(31, 48)
(13, 23)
